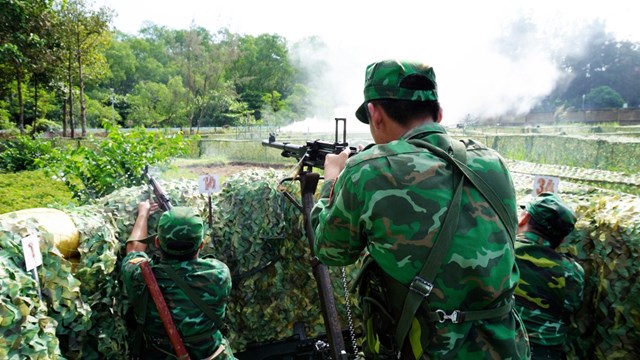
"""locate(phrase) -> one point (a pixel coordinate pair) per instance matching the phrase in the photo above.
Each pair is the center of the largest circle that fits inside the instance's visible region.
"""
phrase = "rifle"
(161, 197)
(314, 152)
(313, 155)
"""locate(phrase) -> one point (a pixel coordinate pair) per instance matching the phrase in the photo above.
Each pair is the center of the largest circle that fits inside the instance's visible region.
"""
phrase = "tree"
(87, 35)
(604, 62)
(263, 66)
(603, 97)
(23, 40)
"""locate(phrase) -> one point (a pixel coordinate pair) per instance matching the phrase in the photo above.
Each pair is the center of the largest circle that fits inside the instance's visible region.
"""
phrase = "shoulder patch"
(137, 260)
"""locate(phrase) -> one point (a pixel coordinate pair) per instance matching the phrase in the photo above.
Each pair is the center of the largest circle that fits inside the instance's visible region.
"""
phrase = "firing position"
(195, 290)
(435, 218)
(551, 283)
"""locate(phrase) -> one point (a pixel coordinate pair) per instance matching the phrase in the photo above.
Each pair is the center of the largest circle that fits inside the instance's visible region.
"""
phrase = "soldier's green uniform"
(179, 233)
(551, 284)
(390, 201)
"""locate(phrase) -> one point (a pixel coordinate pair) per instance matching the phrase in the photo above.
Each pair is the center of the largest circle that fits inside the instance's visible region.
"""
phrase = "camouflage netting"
(258, 233)
(605, 153)
(607, 244)
(82, 314)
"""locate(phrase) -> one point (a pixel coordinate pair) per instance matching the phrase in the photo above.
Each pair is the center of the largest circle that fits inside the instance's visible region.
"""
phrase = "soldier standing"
(551, 284)
(195, 289)
(436, 219)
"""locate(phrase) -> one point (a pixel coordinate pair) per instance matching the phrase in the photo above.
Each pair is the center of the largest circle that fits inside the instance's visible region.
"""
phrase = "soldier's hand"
(146, 208)
(334, 163)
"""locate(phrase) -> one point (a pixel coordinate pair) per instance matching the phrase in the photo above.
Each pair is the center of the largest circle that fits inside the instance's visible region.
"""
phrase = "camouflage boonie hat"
(555, 217)
(180, 231)
(387, 80)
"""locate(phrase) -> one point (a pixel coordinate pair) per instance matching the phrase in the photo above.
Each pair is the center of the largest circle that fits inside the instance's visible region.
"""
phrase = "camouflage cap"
(555, 217)
(391, 79)
(180, 231)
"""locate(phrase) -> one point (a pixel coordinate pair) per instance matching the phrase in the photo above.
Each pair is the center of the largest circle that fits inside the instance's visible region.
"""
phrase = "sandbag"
(58, 224)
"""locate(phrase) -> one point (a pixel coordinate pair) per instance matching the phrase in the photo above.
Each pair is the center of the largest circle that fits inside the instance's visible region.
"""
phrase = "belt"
(458, 316)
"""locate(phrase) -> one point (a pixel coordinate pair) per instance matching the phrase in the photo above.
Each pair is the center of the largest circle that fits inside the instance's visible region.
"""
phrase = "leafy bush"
(31, 189)
(24, 153)
(42, 125)
(118, 160)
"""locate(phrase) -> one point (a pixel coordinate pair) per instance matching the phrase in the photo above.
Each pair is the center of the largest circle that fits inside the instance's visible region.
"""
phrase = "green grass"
(31, 189)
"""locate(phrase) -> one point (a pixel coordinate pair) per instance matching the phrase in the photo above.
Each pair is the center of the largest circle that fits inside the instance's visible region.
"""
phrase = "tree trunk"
(20, 101)
(71, 125)
(35, 101)
(83, 110)
(64, 114)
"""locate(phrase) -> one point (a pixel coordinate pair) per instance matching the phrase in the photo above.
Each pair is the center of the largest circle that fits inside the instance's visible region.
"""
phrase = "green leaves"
(24, 153)
(104, 165)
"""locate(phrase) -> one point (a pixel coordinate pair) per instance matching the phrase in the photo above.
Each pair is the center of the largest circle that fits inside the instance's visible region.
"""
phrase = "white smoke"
(490, 57)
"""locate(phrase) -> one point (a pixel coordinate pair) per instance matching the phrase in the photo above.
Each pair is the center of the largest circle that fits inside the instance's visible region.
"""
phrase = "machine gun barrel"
(314, 152)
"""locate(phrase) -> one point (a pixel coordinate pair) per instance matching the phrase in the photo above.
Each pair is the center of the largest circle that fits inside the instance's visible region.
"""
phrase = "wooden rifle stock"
(163, 310)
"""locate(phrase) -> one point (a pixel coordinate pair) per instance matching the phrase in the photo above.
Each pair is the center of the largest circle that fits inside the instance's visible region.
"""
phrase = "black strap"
(193, 295)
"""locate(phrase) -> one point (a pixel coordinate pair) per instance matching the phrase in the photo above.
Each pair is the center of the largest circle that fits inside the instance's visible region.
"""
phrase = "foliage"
(604, 97)
(155, 104)
(5, 122)
(31, 189)
(104, 165)
(604, 62)
(24, 41)
(25, 153)
(43, 125)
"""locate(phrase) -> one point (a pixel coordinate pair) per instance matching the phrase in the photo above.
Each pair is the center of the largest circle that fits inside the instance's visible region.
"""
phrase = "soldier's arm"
(335, 218)
(139, 232)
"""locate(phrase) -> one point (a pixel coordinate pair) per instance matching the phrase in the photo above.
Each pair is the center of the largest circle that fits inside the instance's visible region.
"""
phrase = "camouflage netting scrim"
(606, 242)
(82, 315)
(258, 233)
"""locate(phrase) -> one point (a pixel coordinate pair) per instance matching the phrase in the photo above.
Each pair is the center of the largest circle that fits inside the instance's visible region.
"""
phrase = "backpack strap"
(476, 180)
(422, 284)
(163, 310)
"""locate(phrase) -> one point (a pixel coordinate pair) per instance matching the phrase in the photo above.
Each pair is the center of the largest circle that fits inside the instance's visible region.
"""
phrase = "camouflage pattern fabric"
(180, 231)
(390, 201)
(383, 80)
(209, 277)
(550, 289)
(552, 216)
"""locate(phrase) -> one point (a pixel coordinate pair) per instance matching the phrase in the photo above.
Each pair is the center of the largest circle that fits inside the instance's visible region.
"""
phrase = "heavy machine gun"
(314, 152)
(312, 155)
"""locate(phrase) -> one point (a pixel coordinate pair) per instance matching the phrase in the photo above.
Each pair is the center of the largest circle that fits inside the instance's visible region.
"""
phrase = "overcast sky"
(463, 40)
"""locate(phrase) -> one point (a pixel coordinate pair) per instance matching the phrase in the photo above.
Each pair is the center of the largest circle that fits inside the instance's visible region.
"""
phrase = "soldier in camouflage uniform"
(179, 238)
(389, 203)
(551, 284)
